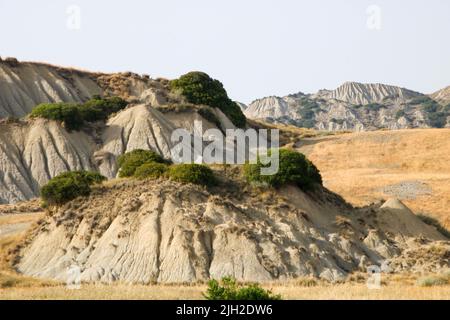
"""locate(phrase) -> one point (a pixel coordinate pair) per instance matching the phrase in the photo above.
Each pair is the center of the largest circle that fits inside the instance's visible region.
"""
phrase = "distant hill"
(356, 107)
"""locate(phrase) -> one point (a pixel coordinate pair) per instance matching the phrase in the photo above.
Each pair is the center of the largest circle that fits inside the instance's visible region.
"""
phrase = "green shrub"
(74, 116)
(435, 223)
(294, 168)
(68, 186)
(228, 289)
(192, 173)
(98, 109)
(90, 177)
(152, 170)
(68, 113)
(130, 161)
(199, 88)
(433, 281)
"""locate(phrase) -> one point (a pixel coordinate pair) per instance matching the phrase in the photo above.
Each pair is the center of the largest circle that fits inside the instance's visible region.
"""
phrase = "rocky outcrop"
(352, 106)
(361, 93)
(442, 96)
(160, 231)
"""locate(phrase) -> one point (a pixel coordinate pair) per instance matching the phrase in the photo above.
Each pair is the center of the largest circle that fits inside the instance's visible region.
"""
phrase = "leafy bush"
(435, 223)
(130, 161)
(199, 88)
(68, 113)
(98, 109)
(228, 289)
(421, 100)
(151, 170)
(294, 168)
(69, 185)
(193, 173)
(74, 116)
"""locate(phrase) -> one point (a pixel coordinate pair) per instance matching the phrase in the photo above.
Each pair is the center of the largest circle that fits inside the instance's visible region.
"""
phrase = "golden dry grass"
(358, 166)
(289, 291)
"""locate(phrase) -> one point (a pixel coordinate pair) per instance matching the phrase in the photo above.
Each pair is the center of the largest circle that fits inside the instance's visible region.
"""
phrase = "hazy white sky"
(255, 47)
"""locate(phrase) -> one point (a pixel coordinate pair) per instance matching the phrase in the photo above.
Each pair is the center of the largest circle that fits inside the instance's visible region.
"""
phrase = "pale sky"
(256, 48)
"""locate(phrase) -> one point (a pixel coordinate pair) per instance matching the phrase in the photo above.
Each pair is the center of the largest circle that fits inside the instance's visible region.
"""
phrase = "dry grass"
(358, 166)
(20, 218)
(291, 291)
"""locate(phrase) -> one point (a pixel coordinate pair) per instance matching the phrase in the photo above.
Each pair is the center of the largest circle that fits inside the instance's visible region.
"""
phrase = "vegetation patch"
(192, 173)
(432, 281)
(130, 161)
(151, 170)
(199, 88)
(68, 186)
(294, 168)
(229, 289)
(74, 116)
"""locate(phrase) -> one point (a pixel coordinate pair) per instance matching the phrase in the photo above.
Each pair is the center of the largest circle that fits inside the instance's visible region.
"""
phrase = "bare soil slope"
(161, 231)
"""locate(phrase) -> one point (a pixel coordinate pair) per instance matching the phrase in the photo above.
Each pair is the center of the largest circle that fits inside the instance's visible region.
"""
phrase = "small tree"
(294, 168)
(199, 88)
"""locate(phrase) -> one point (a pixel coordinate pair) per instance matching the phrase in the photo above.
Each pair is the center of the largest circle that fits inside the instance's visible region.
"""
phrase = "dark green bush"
(294, 168)
(90, 177)
(199, 88)
(151, 170)
(68, 186)
(228, 289)
(98, 109)
(192, 173)
(130, 161)
(74, 116)
(68, 113)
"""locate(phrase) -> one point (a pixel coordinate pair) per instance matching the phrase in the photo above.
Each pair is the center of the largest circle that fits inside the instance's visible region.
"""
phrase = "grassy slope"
(358, 165)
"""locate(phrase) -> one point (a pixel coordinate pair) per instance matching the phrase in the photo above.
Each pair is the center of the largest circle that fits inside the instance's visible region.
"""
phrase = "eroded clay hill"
(32, 151)
(162, 231)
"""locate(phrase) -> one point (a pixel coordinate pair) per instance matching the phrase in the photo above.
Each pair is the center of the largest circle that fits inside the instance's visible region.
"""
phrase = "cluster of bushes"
(294, 168)
(228, 289)
(145, 164)
(131, 161)
(437, 114)
(199, 88)
(74, 116)
(69, 185)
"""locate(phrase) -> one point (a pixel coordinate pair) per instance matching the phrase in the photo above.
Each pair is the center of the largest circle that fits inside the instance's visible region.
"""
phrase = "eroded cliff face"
(161, 231)
(32, 151)
(354, 106)
(25, 85)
